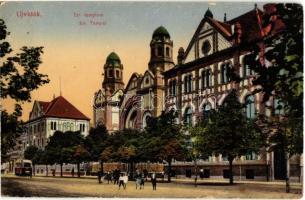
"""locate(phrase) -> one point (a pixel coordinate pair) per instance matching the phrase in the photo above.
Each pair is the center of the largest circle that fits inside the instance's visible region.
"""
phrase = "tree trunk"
(267, 172)
(169, 170)
(195, 172)
(102, 167)
(78, 169)
(47, 170)
(287, 173)
(231, 170)
(61, 170)
(131, 169)
(34, 170)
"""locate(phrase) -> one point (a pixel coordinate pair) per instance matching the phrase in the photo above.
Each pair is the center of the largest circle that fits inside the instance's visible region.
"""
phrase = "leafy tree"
(281, 73)
(18, 78)
(124, 146)
(107, 154)
(11, 128)
(61, 147)
(80, 154)
(95, 142)
(30, 154)
(164, 139)
(229, 132)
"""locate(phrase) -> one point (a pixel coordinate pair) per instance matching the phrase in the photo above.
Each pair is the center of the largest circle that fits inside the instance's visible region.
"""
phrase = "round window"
(206, 47)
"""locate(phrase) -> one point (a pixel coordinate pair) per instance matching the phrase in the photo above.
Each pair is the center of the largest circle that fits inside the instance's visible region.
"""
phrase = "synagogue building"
(193, 84)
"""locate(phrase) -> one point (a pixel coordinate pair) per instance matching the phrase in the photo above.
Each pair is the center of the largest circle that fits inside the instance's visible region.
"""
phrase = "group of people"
(121, 179)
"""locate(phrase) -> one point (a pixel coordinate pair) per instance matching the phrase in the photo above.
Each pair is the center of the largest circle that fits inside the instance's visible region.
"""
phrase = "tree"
(229, 132)
(124, 146)
(95, 142)
(164, 139)
(30, 154)
(11, 128)
(18, 78)
(61, 146)
(279, 71)
(80, 154)
(196, 149)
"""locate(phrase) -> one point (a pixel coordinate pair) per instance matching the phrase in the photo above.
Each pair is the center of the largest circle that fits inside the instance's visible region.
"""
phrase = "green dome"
(161, 31)
(113, 58)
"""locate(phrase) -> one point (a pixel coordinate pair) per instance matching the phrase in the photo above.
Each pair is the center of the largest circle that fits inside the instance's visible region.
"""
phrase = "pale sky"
(76, 53)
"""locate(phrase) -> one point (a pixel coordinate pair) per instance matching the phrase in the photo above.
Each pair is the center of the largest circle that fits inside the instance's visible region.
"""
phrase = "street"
(88, 187)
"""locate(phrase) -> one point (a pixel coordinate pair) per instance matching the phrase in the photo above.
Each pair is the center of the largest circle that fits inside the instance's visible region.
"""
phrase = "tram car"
(23, 168)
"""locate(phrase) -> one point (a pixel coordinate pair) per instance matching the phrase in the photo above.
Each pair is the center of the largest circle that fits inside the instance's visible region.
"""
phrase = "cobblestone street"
(88, 187)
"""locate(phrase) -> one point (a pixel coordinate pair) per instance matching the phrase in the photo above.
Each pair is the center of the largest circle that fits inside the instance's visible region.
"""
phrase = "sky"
(75, 52)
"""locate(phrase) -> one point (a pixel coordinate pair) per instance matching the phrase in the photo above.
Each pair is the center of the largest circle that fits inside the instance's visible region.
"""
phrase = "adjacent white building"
(48, 117)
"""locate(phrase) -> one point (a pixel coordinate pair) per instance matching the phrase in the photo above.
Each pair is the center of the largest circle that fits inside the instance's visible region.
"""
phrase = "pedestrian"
(142, 181)
(99, 176)
(125, 179)
(53, 172)
(72, 172)
(201, 174)
(121, 181)
(108, 177)
(138, 180)
(154, 180)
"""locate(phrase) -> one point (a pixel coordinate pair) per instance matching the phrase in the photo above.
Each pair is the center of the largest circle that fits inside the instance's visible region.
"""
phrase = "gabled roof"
(44, 105)
(223, 28)
(249, 25)
(134, 75)
(60, 107)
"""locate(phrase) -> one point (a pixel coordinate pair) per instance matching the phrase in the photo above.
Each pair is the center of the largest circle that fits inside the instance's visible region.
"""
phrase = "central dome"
(160, 32)
(113, 59)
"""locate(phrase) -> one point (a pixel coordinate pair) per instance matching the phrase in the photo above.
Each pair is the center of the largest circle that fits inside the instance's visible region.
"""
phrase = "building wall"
(38, 131)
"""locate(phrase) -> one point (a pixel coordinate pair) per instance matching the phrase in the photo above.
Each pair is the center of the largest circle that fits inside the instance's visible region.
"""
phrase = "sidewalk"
(183, 180)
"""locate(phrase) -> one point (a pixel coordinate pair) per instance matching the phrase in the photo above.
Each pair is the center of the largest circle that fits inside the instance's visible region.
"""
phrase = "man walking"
(154, 180)
(121, 181)
(99, 176)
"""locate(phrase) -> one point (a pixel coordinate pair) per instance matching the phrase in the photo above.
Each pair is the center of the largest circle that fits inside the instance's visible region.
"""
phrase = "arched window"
(185, 84)
(188, 116)
(224, 73)
(250, 107)
(190, 83)
(174, 87)
(206, 111)
(160, 51)
(203, 79)
(208, 77)
(110, 73)
(246, 67)
(146, 117)
(167, 51)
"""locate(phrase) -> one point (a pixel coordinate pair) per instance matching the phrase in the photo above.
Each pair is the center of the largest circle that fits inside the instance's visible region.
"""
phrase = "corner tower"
(113, 73)
(161, 47)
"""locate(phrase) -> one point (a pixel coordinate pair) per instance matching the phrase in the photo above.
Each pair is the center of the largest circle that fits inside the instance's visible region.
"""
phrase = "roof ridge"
(52, 103)
(246, 13)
